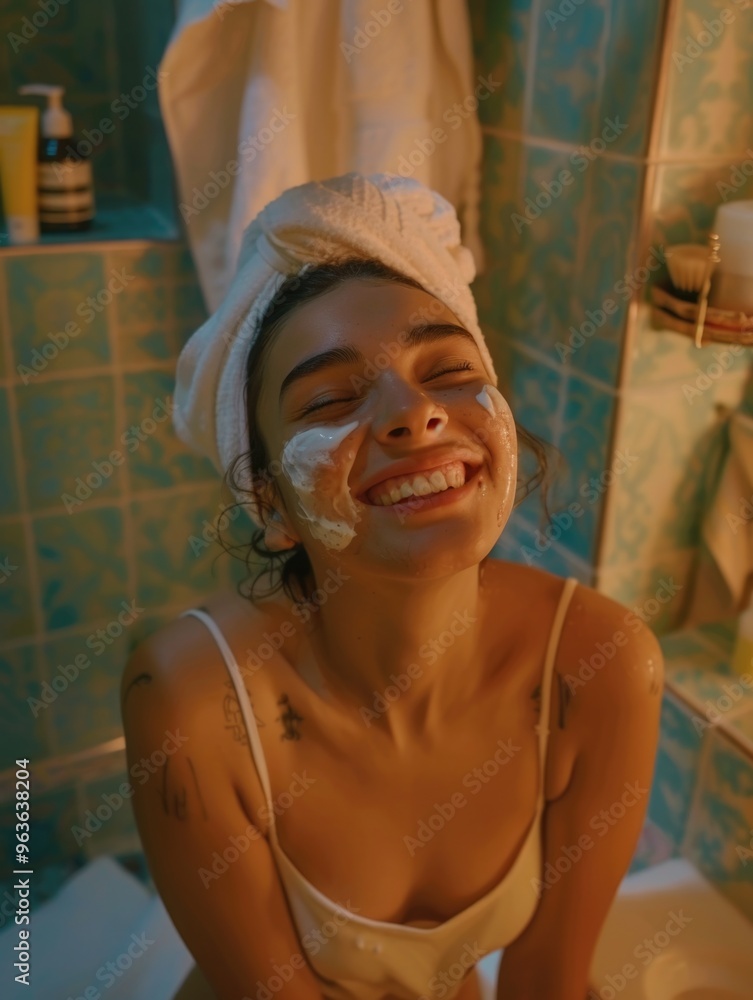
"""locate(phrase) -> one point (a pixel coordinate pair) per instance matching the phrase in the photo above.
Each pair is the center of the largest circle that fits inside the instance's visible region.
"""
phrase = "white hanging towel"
(261, 95)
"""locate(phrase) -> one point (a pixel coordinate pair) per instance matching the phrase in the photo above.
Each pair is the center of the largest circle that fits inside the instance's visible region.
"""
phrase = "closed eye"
(463, 366)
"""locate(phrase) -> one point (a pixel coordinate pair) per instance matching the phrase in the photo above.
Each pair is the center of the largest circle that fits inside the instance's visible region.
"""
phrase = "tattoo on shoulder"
(566, 694)
(140, 679)
(174, 795)
(289, 719)
(234, 717)
(536, 696)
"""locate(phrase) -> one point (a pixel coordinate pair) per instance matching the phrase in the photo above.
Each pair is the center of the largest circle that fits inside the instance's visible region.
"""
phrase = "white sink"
(670, 935)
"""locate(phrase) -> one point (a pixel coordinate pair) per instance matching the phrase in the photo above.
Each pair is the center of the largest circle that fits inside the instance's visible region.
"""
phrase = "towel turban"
(394, 219)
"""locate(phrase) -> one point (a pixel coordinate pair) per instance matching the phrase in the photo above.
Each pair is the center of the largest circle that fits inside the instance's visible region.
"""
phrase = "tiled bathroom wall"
(564, 168)
(702, 140)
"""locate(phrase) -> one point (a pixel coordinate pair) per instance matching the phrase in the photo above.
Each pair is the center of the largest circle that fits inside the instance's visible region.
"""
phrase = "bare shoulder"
(607, 653)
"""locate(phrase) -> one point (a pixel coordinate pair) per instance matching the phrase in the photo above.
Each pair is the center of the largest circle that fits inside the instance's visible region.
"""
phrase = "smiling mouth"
(430, 482)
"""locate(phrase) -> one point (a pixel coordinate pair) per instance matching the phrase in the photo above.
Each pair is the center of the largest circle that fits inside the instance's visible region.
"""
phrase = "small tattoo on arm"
(565, 696)
(536, 696)
(141, 679)
(234, 717)
(175, 803)
(289, 718)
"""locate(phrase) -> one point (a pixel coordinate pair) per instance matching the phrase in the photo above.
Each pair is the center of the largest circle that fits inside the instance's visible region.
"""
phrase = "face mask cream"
(321, 483)
(18, 172)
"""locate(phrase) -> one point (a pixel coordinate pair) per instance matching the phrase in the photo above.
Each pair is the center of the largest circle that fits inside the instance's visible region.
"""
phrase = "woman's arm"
(593, 828)
(232, 915)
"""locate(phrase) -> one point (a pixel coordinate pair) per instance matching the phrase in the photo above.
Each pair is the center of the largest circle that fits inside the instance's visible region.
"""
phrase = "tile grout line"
(119, 411)
(24, 513)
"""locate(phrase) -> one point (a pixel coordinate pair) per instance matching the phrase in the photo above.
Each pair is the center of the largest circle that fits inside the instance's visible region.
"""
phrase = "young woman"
(397, 762)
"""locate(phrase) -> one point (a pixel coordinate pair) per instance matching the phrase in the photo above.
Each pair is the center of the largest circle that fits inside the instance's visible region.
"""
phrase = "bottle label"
(65, 175)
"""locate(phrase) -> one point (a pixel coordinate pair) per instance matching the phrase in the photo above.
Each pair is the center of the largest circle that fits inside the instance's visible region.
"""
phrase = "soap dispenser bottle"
(64, 176)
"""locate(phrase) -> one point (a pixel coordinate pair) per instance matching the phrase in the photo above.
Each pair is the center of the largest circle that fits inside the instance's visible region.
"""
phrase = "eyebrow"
(425, 333)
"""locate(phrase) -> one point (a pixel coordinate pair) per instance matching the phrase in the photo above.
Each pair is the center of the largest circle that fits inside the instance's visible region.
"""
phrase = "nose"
(404, 411)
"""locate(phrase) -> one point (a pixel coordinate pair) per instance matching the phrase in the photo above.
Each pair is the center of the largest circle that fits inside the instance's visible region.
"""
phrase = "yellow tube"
(19, 137)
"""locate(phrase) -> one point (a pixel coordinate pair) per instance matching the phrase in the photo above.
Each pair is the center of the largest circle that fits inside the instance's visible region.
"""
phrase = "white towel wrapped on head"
(393, 219)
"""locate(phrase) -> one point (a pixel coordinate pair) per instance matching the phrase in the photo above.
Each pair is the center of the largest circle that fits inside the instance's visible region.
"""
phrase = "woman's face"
(376, 381)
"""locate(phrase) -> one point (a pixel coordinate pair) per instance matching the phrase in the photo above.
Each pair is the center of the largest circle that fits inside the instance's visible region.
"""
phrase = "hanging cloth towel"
(258, 96)
(726, 557)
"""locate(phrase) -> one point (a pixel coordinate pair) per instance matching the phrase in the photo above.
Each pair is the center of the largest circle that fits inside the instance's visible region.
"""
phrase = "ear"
(276, 533)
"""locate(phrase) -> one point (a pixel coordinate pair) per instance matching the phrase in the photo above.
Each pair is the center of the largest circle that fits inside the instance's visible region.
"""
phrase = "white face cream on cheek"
(492, 400)
(321, 483)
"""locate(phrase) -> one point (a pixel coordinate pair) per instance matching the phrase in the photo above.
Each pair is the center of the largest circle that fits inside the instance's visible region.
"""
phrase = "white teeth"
(421, 485)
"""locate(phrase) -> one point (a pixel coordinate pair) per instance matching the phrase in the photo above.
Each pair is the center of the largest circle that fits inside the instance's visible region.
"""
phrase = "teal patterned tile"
(158, 458)
(16, 603)
(67, 433)
(743, 724)
(630, 68)
(720, 832)
(675, 770)
(106, 824)
(566, 72)
(687, 196)
(589, 469)
(532, 237)
(500, 45)
(52, 843)
(658, 588)
(81, 567)
(9, 501)
(144, 301)
(658, 502)
(177, 557)
(710, 81)
(58, 307)
(592, 342)
(22, 734)
(654, 846)
(82, 690)
(522, 542)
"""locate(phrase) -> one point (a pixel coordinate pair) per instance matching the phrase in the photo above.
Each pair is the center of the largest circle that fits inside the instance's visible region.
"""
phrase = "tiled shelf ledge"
(698, 671)
(116, 220)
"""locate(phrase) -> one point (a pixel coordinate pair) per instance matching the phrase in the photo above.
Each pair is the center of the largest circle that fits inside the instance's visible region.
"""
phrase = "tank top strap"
(546, 681)
(247, 711)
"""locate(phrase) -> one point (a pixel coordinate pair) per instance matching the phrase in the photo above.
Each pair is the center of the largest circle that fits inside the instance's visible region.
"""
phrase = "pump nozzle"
(56, 121)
